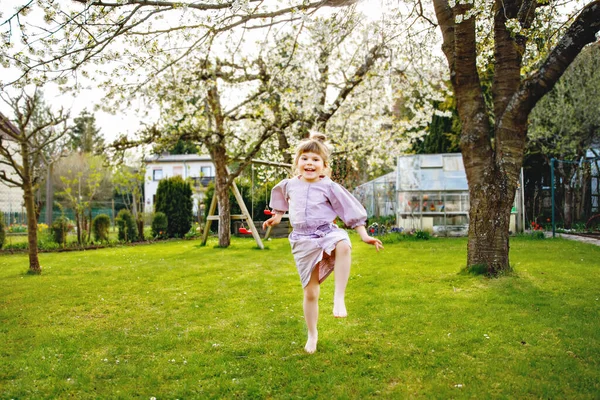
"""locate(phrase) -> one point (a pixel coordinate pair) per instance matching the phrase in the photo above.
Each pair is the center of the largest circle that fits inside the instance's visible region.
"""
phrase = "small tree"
(127, 227)
(174, 199)
(83, 179)
(101, 224)
(60, 228)
(128, 183)
(23, 145)
(160, 224)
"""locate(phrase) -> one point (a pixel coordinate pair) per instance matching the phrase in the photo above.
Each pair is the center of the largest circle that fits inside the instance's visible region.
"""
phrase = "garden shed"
(426, 192)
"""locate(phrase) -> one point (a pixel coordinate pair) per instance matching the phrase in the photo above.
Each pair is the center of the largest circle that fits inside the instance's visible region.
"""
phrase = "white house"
(11, 197)
(199, 169)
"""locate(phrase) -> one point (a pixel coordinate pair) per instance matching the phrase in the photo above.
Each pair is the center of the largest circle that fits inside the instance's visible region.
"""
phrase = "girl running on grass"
(313, 201)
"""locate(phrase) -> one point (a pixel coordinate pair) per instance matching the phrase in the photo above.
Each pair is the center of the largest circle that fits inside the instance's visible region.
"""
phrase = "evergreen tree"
(85, 136)
(444, 131)
(174, 199)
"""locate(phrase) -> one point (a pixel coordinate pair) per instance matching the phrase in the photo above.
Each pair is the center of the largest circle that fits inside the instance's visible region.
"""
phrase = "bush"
(159, 225)
(60, 228)
(174, 199)
(100, 226)
(127, 227)
(2, 231)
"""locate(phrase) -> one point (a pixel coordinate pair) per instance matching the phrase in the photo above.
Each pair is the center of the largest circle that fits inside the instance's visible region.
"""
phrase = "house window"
(157, 174)
(206, 172)
(178, 171)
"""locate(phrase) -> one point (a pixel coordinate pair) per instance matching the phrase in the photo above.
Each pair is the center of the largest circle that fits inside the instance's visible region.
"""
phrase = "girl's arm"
(362, 231)
(274, 220)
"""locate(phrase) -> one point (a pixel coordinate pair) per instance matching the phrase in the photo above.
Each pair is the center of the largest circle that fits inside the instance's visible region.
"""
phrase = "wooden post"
(208, 222)
(245, 216)
(240, 200)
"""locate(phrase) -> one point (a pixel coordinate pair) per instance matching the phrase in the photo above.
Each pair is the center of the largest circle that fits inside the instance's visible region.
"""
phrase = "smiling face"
(311, 166)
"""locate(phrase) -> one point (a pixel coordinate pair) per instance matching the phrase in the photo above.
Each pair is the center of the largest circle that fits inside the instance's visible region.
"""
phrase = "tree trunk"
(78, 224)
(489, 222)
(222, 192)
(28, 197)
(49, 195)
(568, 211)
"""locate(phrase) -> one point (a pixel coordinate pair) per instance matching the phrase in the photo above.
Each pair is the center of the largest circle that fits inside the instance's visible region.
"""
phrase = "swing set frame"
(245, 216)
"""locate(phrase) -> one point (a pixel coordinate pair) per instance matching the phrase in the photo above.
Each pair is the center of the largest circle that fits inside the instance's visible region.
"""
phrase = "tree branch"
(581, 32)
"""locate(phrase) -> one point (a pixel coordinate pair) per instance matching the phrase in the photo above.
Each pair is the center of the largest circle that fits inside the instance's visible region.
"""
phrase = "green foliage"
(159, 225)
(126, 225)
(194, 232)
(85, 136)
(444, 130)
(174, 199)
(564, 123)
(397, 237)
(100, 227)
(60, 228)
(46, 242)
(184, 147)
(2, 231)
(422, 235)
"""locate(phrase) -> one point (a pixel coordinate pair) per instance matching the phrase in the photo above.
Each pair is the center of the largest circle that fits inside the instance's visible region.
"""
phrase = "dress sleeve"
(347, 207)
(279, 199)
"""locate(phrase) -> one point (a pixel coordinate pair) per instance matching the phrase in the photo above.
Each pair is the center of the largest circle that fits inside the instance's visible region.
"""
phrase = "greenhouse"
(426, 192)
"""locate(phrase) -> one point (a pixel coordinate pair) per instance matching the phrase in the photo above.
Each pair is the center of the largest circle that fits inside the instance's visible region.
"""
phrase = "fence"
(14, 213)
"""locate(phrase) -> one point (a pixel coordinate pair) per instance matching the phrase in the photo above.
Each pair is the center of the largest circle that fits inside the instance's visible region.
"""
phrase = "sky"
(124, 122)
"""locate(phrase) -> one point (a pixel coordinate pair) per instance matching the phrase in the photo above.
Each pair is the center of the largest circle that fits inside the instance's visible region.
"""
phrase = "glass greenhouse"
(426, 192)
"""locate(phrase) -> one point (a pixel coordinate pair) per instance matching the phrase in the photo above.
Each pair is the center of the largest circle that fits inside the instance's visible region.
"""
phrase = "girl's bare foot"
(311, 344)
(339, 308)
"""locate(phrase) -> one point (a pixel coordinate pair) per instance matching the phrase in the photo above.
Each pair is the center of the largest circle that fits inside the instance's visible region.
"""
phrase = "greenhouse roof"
(431, 172)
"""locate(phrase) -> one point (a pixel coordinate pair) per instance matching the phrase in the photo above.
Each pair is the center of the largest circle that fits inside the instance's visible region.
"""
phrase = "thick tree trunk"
(489, 222)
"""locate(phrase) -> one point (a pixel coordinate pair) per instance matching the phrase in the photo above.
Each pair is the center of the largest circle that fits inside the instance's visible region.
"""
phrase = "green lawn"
(175, 320)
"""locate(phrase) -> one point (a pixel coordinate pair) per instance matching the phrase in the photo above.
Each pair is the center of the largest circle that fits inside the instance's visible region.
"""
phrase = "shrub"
(174, 199)
(2, 231)
(424, 235)
(100, 226)
(60, 228)
(126, 225)
(159, 225)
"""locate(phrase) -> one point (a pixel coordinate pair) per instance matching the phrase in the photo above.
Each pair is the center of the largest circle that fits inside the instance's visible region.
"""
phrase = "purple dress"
(313, 206)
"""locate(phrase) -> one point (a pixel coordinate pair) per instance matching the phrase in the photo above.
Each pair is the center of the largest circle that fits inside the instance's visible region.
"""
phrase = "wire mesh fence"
(13, 211)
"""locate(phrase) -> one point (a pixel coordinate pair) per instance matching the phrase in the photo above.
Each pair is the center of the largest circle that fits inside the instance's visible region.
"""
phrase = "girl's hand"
(274, 220)
(373, 241)
(362, 231)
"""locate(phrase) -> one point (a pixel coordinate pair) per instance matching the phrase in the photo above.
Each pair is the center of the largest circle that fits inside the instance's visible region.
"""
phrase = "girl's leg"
(311, 310)
(343, 259)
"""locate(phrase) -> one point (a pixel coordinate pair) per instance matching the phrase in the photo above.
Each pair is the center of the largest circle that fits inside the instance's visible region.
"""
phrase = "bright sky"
(111, 126)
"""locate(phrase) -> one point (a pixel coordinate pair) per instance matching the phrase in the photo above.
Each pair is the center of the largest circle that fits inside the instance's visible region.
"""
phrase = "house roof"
(177, 158)
(6, 126)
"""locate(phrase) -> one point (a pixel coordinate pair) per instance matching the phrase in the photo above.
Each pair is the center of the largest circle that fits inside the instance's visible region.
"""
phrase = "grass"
(175, 320)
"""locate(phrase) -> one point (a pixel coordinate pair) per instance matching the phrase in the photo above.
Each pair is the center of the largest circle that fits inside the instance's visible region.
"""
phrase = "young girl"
(318, 245)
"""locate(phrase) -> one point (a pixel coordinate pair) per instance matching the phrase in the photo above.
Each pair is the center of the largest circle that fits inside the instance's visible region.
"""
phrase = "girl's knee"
(311, 292)
(342, 248)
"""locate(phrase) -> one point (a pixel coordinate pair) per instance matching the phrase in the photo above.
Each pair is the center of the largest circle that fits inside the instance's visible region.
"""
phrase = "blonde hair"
(316, 143)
